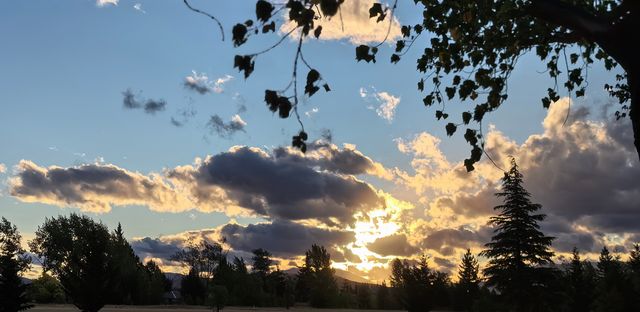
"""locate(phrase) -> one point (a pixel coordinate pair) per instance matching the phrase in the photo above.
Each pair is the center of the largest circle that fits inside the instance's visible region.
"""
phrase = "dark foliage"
(13, 261)
(519, 254)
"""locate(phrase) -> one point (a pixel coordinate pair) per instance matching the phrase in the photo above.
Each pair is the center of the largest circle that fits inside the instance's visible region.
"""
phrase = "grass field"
(174, 308)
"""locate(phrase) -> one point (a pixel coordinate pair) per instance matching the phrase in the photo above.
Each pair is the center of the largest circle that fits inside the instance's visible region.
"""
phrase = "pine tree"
(634, 270)
(614, 288)
(468, 280)
(519, 252)
(13, 261)
(580, 285)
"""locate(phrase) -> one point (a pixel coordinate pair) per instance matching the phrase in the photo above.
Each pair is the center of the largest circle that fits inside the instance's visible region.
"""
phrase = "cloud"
(353, 24)
(102, 3)
(201, 83)
(393, 245)
(138, 7)
(277, 186)
(282, 238)
(150, 106)
(3, 168)
(584, 173)
(328, 156)
(148, 247)
(226, 129)
(446, 240)
(387, 103)
(243, 181)
(387, 108)
(93, 188)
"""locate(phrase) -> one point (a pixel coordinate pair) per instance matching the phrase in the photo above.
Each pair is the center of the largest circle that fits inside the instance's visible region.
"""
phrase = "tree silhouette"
(470, 50)
(76, 250)
(614, 287)
(580, 292)
(518, 252)
(634, 272)
(316, 278)
(468, 280)
(418, 287)
(13, 261)
(46, 289)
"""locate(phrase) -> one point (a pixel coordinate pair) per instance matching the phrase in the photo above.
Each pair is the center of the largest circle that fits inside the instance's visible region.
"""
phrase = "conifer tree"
(13, 261)
(468, 280)
(519, 252)
(634, 271)
(614, 288)
(580, 293)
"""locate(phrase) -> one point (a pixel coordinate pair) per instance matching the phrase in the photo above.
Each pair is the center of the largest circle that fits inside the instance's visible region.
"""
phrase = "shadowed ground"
(174, 308)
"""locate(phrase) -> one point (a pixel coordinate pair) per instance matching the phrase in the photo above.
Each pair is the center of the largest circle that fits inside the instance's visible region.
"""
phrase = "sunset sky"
(132, 112)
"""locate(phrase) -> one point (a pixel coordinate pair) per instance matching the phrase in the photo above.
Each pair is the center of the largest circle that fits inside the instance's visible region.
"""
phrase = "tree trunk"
(634, 110)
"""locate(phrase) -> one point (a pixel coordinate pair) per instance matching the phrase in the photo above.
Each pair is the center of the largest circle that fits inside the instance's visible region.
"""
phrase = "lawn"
(176, 308)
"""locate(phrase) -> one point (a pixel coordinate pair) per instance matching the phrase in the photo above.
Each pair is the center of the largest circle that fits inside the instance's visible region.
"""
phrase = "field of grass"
(174, 308)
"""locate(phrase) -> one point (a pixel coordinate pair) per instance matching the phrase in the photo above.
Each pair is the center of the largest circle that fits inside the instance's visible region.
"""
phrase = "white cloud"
(138, 7)
(311, 112)
(387, 103)
(355, 24)
(102, 3)
(200, 82)
(236, 119)
(387, 108)
(3, 168)
(218, 86)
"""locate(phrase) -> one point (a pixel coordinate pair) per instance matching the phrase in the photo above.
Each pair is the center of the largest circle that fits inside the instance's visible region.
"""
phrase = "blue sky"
(65, 65)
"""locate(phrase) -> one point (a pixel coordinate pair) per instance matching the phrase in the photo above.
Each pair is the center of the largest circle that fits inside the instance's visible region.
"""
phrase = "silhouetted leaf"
(450, 128)
(317, 31)
(364, 53)
(377, 10)
(263, 10)
(244, 63)
(239, 34)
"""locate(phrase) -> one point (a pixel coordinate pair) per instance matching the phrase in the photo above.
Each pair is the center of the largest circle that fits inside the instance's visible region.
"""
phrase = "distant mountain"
(340, 275)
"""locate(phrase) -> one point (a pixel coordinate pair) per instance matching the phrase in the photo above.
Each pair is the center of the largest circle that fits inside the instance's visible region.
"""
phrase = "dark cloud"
(444, 264)
(327, 156)
(282, 238)
(92, 187)
(393, 245)
(150, 106)
(226, 129)
(183, 116)
(196, 85)
(154, 106)
(282, 188)
(446, 240)
(565, 242)
(154, 247)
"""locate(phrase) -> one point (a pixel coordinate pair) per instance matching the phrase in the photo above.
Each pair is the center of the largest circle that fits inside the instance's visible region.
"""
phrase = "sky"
(131, 112)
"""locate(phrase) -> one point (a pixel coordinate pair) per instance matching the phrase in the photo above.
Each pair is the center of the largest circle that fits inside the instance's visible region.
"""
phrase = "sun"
(369, 227)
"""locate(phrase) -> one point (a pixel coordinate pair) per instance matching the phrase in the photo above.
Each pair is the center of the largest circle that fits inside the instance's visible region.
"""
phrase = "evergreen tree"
(382, 298)
(468, 281)
(13, 261)
(614, 288)
(580, 285)
(634, 271)
(518, 252)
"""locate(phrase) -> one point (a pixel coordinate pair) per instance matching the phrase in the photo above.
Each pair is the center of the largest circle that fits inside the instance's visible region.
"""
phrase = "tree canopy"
(470, 49)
